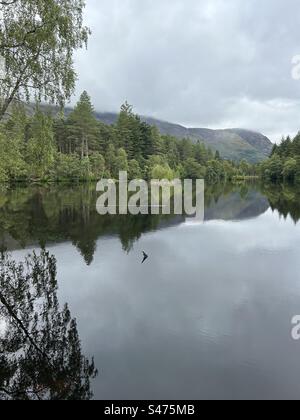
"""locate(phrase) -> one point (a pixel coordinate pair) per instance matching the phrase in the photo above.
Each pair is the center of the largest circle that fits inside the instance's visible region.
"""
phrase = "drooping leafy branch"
(37, 42)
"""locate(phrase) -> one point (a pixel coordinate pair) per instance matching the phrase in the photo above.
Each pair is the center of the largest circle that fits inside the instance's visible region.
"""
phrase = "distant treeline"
(78, 147)
(284, 163)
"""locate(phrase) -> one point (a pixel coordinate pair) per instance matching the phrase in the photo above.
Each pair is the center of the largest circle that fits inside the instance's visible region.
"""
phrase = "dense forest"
(77, 147)
(284, 163)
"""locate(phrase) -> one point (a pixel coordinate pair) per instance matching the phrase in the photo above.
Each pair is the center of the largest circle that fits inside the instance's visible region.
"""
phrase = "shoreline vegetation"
(79, 148)
(56, 148)
(284, 162)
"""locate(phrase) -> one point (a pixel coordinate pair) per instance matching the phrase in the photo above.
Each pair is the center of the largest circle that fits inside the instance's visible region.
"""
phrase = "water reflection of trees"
(58, 213)
(40, 351)
(285, 199)
(41, 215)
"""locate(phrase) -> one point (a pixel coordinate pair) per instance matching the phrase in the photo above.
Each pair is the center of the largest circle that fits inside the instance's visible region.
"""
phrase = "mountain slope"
(256, 140)
(234, 144)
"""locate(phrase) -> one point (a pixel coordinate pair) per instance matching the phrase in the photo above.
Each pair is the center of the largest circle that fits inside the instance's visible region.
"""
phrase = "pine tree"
(127, 130)
(83, 127)
(217, 155)
(60, 132)
(110, 158)
(147, 145)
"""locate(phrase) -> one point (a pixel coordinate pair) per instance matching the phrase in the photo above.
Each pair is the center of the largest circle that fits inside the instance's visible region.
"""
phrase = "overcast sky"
(202, 63)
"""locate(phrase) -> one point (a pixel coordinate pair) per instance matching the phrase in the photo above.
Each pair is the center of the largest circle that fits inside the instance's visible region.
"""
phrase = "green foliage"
(193, 170)
(217, 155)
(284, 162)
(121, 162)
(12, 146)
(82, 127)
(110, 158)
(272, 169)
(79, 148)
(97, 162)
(85, 169)
(244, 166)
(290, 170)
(40, 148)
(66, 167)
(134, 170)
(215, 171)
(3, 160)
(162, 172)
(37, 42)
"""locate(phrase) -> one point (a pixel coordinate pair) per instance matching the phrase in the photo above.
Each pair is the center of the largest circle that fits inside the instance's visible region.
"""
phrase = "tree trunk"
(4, 108)
(87, 147)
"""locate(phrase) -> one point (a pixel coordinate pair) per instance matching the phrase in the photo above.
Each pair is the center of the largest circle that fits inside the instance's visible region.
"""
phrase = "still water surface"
(209, 313)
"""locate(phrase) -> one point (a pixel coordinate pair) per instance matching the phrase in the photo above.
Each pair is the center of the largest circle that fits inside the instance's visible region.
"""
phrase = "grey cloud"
(213, 63)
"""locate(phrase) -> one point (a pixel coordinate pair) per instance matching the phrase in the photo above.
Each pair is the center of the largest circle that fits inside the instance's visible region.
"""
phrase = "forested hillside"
(76, 146)
(233, 144)
(284, 163)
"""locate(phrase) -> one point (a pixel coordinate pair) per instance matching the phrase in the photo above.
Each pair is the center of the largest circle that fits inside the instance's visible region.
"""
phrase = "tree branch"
(22, 43)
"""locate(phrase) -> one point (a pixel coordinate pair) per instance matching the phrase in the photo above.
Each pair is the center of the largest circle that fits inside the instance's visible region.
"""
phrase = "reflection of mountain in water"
(59, 213)
(234, 207)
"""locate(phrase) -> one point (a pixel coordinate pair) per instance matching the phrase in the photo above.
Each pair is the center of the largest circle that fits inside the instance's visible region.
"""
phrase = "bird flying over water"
(145, 257)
